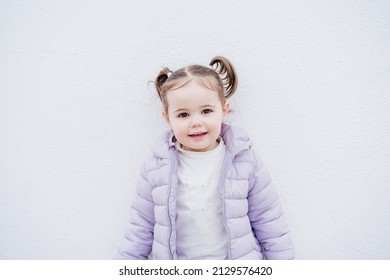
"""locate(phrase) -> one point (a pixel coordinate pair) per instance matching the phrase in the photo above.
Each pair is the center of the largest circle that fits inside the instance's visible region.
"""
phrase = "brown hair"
(221, 78)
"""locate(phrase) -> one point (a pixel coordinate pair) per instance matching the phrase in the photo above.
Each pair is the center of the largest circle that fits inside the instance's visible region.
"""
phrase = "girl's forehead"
(195, 83)
(192, 91)
(192, 97)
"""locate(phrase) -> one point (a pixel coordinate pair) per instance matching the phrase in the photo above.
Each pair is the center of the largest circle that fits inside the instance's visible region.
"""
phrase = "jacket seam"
(247, 253)
(154, 168)
(237, 179)
(249, 233)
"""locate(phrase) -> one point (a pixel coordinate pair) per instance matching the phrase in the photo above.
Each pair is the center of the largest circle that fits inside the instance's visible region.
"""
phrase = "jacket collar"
(236, 139)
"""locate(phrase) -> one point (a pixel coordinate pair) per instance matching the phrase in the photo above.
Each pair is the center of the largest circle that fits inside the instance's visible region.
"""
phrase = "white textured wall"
(77, 115)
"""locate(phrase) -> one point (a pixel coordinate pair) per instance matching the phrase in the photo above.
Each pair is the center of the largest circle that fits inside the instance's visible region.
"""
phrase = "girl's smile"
(198, 135)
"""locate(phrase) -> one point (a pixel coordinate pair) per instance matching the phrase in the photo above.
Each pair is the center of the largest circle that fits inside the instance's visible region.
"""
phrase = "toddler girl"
(204, 194)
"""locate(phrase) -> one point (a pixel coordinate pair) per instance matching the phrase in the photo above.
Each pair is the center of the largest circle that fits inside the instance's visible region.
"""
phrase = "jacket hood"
(236, 139)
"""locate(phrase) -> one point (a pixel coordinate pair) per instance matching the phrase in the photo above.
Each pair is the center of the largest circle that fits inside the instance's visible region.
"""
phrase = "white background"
(77, 115)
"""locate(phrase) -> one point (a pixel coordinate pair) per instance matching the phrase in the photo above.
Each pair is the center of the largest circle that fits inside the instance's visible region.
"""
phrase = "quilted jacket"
(252, 213)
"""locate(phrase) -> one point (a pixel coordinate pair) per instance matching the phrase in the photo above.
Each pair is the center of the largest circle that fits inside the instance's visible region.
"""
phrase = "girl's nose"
(196, 121)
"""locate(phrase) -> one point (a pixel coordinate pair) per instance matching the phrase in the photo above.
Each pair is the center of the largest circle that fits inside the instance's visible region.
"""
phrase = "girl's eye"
(183, 115)
(207, 111)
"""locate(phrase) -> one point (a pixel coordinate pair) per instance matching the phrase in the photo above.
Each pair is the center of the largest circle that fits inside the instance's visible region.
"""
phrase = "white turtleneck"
(199, 223)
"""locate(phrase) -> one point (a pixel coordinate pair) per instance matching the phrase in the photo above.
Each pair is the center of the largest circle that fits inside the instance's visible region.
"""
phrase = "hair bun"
(227, 73)
(162, 77)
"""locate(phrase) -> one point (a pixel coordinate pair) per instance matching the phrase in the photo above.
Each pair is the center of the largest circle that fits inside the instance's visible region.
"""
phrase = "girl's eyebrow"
(181, 109)
(203, 106)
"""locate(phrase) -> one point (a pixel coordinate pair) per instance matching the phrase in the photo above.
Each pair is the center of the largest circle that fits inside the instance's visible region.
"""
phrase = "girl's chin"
(200, 148)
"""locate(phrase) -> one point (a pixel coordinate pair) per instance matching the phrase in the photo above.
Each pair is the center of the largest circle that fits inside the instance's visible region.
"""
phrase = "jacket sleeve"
(266, 215)
(138, 240)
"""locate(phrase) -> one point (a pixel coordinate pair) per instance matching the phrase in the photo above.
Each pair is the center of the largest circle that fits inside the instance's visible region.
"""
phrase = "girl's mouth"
(198, 135)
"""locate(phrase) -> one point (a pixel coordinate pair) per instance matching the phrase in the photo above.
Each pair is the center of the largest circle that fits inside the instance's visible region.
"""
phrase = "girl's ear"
(225, 109)
(165, 115)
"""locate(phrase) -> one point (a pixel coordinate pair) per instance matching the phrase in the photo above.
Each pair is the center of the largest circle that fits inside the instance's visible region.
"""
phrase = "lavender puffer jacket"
(252, 212)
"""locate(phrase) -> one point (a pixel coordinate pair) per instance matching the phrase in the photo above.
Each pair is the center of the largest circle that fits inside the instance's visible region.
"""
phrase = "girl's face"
(195, 114)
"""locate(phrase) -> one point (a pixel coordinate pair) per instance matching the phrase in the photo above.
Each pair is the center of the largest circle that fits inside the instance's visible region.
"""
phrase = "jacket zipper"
(173, 166)
(222, 186)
